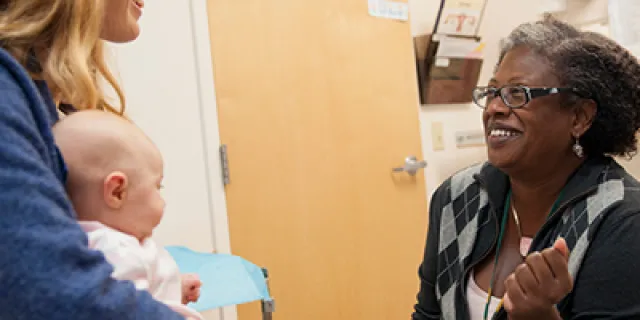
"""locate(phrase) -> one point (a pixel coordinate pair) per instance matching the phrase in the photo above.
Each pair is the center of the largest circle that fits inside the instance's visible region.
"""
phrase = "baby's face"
(144, 206)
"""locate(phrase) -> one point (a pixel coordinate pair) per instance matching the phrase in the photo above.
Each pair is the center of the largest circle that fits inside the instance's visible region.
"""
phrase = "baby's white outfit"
(149, 266)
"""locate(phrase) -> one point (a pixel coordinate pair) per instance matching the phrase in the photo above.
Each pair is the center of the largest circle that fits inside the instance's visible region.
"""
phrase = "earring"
(578, 149)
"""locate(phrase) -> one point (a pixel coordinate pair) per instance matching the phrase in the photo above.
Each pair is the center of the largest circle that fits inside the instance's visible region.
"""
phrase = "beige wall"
(500, 17)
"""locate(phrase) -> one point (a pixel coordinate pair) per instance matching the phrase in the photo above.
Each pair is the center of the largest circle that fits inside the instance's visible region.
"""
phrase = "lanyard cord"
(505, 218)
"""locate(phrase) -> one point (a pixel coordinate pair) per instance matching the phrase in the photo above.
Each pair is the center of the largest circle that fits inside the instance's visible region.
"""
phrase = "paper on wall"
(461, 17)
(389, 9)
(442, 62)
(460, 48)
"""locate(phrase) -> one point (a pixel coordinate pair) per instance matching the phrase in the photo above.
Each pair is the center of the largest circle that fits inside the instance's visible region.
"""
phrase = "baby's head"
(115, 171)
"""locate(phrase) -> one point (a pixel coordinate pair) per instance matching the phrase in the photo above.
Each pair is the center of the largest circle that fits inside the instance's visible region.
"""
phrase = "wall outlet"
(437, 136)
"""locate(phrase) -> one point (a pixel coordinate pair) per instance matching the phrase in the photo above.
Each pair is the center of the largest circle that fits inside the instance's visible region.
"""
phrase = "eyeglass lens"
(512, 96)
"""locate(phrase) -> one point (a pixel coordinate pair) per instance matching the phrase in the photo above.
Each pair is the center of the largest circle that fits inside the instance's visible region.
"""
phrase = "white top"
(477, 299)
(149, 266)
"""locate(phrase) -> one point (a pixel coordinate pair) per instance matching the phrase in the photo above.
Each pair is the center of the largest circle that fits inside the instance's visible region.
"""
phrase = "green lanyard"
(505, 218)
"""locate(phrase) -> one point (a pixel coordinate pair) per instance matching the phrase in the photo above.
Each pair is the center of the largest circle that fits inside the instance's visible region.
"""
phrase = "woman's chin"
(500, 159)
(121, 34)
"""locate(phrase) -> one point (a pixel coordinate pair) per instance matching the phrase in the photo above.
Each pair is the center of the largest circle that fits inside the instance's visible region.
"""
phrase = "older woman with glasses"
(549, 227)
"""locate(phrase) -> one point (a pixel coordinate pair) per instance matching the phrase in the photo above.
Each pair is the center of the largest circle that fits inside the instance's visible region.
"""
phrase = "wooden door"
(317, 101)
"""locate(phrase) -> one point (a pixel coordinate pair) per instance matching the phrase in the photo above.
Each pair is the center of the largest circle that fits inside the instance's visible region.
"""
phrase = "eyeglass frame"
(530, 94)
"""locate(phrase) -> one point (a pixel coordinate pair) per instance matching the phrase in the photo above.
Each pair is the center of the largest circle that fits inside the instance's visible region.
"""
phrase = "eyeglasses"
(513, 96)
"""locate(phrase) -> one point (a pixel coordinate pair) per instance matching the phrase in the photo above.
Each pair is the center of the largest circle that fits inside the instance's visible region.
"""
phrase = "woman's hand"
(537, 285)
(190, 288)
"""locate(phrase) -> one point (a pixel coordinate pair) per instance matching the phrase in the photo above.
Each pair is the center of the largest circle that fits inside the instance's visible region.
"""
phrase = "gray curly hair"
(597, 67)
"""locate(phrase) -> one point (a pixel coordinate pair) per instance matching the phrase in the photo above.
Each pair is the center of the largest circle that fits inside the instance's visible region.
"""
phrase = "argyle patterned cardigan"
(599, 201)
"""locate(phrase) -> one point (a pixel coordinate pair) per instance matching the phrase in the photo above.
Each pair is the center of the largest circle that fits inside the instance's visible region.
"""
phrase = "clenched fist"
(190, 288)
(536, 286)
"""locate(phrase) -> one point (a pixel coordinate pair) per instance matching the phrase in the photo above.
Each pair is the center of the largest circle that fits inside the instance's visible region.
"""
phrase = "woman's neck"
(534, 194)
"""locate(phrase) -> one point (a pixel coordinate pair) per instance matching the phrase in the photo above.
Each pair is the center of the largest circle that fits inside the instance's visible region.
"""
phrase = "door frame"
(209, 124)
(210, 134)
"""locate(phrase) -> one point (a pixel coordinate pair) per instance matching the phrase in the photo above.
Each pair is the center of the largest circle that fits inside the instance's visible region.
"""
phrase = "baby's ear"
(115, 189)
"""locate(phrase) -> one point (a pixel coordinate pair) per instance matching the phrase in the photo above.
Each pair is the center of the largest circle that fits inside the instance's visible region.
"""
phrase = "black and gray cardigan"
(599, 216)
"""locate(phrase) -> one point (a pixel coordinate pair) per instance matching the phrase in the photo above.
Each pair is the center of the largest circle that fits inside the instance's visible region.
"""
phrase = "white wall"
(162, 96)
(500, 17)
(585, 14)
(168, 82)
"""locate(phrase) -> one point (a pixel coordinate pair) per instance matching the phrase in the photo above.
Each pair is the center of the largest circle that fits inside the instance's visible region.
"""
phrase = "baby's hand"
(190, 288)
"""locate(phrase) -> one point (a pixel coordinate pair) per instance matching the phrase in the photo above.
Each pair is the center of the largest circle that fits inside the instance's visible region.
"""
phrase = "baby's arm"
(128, 265)
(126, 259)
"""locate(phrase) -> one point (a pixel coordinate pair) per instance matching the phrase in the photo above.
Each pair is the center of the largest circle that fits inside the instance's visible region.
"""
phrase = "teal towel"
(226, 279)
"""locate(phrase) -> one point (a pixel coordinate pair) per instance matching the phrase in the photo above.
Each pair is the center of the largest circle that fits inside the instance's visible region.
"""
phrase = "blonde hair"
(63, 36)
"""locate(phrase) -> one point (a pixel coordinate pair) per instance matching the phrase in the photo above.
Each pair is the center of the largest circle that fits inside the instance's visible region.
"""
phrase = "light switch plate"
(437, 136)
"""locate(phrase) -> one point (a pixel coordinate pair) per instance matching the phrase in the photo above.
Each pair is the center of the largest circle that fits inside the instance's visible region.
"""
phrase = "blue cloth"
(46, 269)
(226, 279)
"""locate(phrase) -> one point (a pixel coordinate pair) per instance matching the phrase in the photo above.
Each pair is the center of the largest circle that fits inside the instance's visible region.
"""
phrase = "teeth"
(503, 133)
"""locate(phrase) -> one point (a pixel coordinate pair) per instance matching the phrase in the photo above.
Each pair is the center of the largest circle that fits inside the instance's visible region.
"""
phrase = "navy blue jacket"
(46, 269)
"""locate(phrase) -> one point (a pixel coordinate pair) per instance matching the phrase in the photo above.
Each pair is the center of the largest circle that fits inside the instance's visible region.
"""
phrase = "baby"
(114, 181)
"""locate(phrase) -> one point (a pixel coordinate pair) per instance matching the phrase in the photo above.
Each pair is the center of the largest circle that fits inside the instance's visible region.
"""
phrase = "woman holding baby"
(51, 54)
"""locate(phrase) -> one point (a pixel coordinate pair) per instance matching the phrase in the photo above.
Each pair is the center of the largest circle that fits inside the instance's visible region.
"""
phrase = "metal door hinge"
(224, 160)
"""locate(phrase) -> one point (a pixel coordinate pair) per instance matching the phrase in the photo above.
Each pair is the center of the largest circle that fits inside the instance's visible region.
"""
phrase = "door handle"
(411, 165)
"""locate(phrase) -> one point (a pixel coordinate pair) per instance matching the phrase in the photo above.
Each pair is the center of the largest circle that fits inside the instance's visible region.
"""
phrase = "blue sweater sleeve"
(46, 268)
